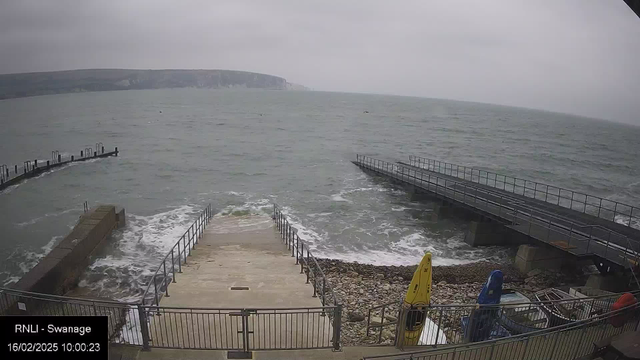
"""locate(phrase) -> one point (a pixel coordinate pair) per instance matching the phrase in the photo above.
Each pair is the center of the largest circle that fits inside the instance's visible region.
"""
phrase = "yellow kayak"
(417, 298)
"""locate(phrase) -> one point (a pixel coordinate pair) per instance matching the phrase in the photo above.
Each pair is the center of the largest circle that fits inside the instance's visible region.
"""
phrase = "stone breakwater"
(361, 286)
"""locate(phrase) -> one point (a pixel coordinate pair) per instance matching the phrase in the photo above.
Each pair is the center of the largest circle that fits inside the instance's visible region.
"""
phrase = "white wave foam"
(625, 220)
(141, 246)
(26, 260)
(49, 246)
(36, 219)
(319, 215)
(254, 207)
(385, 257)
(307, 234)
(400, 208)
(11, 280)
(339, 197)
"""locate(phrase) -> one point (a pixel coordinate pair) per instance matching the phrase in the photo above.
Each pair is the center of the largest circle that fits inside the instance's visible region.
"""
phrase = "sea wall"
(60, 270)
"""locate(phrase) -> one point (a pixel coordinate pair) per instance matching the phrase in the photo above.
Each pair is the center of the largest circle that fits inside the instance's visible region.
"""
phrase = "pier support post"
(538, 257)
(485, 233)
(441, 210)
(610, 282)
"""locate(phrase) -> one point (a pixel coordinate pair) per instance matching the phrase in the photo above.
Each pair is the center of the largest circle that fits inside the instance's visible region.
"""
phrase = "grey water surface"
(242, 150)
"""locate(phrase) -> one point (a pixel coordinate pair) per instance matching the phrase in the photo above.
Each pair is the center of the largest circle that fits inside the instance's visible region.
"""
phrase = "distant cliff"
(44, 83)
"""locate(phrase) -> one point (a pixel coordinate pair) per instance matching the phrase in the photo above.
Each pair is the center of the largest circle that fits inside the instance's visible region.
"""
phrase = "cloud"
(575, 56)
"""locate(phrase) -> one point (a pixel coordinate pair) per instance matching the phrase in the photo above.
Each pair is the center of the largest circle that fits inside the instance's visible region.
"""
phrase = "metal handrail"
(577, 325)
(168, 274)
(469, 193)
(466, 309)
(58, 298)
(297, 247)
(4, 173)
(493, 178)
(57, 159)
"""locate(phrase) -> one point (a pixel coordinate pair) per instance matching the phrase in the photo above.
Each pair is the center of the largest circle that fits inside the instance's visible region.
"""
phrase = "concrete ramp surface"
(241, 285)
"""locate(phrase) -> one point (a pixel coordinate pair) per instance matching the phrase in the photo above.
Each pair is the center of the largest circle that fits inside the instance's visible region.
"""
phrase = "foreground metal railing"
(191, 328)
(308, 263)
(166, 272)
(457, 324)
(243, 329)
(123, 318)
(621, 213)
(568, 341)
(561, 232)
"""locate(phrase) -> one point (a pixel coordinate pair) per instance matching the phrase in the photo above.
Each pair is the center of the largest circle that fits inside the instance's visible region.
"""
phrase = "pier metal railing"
(560, 232)
(618, 212)
(30, 168)
(172, 262)
(564, 342)
(462, 323)
(308, 263)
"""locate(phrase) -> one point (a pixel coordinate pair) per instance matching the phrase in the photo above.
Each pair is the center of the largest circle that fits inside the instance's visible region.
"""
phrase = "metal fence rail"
(594, 205)
(243, 329)
(455, 324)
(166, 272)
(10, 175)
(559, 232)
(123, 317)
(308, 263)
(567, 341)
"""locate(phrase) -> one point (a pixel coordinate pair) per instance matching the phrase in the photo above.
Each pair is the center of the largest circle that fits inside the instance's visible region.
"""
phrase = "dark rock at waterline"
(356, 316)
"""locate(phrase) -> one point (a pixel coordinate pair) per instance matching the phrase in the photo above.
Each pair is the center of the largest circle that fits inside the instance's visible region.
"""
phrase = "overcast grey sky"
(576, 56)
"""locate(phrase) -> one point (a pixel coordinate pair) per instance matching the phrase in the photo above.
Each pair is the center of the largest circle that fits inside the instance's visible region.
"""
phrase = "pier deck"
(578, 233)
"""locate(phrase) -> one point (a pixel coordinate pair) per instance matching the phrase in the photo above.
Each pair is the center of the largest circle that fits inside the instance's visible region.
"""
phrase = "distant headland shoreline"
(72, 81)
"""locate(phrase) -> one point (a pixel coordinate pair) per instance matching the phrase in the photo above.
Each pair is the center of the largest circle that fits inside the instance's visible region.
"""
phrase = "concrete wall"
(544, 257)
(60, 270)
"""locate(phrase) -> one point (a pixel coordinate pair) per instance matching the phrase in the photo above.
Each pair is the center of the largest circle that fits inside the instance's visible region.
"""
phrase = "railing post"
(293, 245)
(571, 203)
(184, 247)
(324, 284)
(297, 246)
(307, 262)
(173, 268)
(179, 258)
(144, 327)
(155, 290)
(164, 280)
(190, 235)
(315, 286)
(337, 327)
(301, 260)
